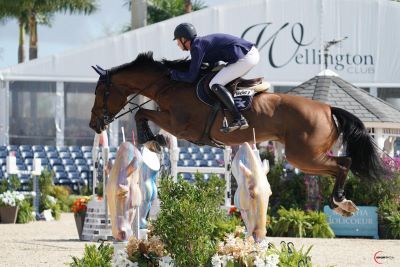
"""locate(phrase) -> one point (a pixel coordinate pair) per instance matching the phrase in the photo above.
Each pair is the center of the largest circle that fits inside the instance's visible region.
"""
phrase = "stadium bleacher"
(73, 164)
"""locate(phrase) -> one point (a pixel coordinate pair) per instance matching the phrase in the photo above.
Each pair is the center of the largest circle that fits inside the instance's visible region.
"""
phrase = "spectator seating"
(72, 165)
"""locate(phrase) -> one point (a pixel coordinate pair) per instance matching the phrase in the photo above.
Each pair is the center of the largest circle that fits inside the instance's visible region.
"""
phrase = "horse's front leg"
(161, 118)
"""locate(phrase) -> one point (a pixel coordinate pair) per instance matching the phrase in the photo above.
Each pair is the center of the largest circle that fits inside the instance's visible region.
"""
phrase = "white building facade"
(48, 100)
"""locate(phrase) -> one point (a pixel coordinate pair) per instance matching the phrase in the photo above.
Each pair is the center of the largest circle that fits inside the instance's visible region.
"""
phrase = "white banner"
(288, 33)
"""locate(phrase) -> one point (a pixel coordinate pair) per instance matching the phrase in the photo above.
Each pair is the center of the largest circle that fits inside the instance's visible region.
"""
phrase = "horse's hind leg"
(337, 167)
(338, 199)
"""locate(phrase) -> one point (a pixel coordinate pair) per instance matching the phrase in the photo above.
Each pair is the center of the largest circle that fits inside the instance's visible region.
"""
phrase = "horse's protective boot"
(239, 122)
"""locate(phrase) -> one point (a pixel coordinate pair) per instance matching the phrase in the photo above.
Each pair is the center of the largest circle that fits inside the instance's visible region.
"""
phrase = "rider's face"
(180, 44)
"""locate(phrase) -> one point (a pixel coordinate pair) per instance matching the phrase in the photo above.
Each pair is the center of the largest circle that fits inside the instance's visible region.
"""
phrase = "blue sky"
(69, 31)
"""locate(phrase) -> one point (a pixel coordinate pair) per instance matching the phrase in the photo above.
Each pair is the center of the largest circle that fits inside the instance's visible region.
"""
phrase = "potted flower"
(79, 209)
(9, 202)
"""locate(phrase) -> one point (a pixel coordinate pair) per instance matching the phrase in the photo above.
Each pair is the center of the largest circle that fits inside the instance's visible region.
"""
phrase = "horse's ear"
(100, 71)
(100, 68)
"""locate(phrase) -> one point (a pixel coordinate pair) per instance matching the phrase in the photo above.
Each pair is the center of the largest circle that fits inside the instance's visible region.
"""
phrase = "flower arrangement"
(233, 211)
(80, 205)
(11, 198)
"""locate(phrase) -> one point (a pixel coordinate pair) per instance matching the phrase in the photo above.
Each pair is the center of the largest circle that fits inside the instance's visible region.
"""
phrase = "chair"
(83, 168)
(183, 149)
(186, 176)
(37, 148)
(67, 161)
(77, 155)
(86, 149)
(208, 156)
(12, 148)
(64, 154)
(52, 154)
(27, 154)
(189, 163)
(113, 149)
(28, 161)
(184, 155)
(25, 148)
(205, 149)
(3, 153)
(193, 149)
(74, 149)
(74, 176)
(50, 149)
(201, 163)
(70, 168)
(61, 175)
(44, 161)
(39, 154)
(3, 148)
(58, 168)
(22, 167)
(55, 161)
(197, 156)
(62, 149)
(87, 155)
(80, 161)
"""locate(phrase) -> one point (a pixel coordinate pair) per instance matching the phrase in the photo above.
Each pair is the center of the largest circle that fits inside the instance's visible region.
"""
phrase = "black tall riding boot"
(239, 122)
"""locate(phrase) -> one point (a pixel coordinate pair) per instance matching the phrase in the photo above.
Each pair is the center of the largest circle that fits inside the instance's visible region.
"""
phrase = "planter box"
(8, 214)
(363, 223)
(79, 221)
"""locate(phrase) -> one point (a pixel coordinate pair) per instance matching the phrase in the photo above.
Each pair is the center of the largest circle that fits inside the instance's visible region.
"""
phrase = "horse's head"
(109, 100)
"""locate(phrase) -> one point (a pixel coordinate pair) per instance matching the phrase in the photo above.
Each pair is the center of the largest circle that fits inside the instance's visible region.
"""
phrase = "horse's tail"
(360, 146)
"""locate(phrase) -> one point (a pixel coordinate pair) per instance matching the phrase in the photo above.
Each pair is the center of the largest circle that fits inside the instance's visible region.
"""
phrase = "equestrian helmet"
(185, 30)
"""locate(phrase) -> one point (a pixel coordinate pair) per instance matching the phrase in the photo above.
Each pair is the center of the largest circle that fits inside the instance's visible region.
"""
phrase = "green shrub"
(319, 225)
(61, 193)
(289, 256)
(25, 211)
(189, 217)
(394, 225)
(388, 215)
(297, 223)
(12, 184)
(288, 192)
(291, 222)
(95, 257)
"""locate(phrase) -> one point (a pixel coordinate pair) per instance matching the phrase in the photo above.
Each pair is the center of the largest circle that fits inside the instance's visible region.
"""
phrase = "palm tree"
(8, 11)
(159, 10)
(29, 13)
(40, 11)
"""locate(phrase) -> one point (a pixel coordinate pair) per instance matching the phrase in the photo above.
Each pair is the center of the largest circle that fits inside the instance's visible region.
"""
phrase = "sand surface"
(53, 243)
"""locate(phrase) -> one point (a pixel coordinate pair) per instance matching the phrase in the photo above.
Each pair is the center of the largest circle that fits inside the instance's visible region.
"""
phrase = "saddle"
(242, 90)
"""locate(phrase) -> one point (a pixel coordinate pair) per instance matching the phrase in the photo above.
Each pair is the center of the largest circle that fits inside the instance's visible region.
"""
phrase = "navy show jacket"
(211, 49)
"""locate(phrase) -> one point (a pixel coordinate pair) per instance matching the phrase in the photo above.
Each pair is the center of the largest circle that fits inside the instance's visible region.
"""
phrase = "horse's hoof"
(153, 146)
(342, 212)
(160, 139)
(346, 205)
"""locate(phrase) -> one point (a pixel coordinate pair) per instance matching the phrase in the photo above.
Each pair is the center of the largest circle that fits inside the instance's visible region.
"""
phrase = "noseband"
(107, 116)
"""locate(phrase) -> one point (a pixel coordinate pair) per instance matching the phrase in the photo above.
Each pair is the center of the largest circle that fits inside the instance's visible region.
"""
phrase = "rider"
(240, 55)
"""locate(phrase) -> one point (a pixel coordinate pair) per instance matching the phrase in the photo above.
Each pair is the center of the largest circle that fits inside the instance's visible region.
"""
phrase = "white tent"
(289, 35)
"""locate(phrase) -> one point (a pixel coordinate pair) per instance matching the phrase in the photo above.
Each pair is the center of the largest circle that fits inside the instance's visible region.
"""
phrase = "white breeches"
(237, 69)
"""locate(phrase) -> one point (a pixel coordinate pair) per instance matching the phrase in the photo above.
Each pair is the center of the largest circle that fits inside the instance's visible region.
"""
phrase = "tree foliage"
(30, 13)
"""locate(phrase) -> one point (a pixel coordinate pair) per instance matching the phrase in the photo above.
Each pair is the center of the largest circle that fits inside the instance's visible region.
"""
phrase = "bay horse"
(307, 128)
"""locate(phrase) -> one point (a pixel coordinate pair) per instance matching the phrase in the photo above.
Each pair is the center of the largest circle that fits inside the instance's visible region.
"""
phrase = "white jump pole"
(227, 161)
(95, 158)
(105, 155)
(174, 157)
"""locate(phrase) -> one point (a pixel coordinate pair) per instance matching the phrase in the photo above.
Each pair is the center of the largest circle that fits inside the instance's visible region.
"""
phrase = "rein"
(107, 117)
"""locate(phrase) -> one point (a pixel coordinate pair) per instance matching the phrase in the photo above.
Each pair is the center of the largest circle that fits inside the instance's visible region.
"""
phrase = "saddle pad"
(242, 97)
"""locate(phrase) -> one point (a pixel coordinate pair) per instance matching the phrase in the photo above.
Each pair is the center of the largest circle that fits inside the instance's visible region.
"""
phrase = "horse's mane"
(146, 60)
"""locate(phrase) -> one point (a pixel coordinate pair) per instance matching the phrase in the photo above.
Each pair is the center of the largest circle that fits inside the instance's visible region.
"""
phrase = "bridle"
(107, 116)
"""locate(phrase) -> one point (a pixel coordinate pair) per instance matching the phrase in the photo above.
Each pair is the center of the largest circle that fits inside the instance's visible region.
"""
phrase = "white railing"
(226, 170)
